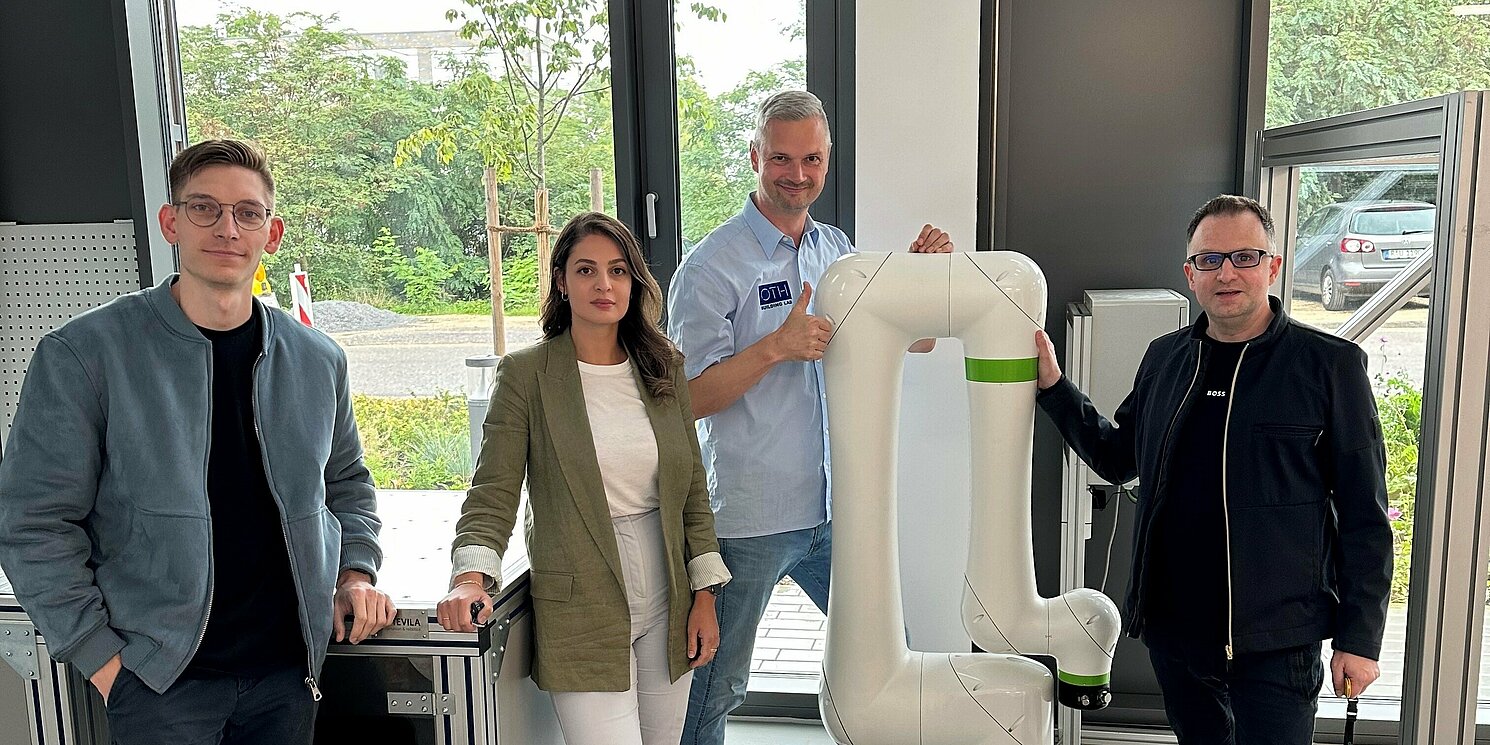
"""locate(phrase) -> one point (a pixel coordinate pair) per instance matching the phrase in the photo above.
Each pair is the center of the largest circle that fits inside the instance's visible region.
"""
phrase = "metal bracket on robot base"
(498, 648)
(18, 647)
(420, 704)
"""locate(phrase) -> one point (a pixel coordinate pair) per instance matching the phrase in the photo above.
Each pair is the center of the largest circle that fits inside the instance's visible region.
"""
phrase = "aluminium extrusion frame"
(60, 707)
(1451, 533)
(416, 682)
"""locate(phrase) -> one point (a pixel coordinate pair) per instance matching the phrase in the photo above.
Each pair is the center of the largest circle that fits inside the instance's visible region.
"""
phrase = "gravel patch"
(333, 316)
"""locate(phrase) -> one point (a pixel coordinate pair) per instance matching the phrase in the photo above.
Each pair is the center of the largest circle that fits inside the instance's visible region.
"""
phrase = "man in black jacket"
(1262, 522)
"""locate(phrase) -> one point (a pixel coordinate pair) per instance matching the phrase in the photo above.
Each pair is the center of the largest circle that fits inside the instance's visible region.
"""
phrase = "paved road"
(427, 356)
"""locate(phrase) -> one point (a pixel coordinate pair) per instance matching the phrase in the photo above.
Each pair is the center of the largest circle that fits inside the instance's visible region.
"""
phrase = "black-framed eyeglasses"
(204, 213)
(1242, 258)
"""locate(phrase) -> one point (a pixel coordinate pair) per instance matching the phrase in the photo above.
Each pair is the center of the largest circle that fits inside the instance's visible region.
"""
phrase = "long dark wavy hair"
(640, 333)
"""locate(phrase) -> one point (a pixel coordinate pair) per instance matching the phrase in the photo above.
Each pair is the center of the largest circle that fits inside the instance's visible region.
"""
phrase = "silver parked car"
(1347, 251)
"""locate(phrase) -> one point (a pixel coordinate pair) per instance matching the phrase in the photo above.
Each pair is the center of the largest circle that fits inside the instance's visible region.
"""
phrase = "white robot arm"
(875, 689)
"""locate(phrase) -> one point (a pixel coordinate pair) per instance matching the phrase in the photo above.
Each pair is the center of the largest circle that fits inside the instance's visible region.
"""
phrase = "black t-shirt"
(1187, 595)
(254, 626)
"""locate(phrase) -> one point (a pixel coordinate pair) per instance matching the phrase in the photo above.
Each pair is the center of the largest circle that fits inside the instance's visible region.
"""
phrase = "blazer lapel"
(569, 428)
(664, 418)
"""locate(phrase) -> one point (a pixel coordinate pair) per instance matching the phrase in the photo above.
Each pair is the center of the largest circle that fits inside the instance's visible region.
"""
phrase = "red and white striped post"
(300, 297)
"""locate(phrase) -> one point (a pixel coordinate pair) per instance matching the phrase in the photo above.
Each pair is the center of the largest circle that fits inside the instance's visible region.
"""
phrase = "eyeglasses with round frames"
(204, 213)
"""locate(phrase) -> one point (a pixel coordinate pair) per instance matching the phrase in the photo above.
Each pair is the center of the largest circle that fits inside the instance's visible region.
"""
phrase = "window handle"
(651, 214)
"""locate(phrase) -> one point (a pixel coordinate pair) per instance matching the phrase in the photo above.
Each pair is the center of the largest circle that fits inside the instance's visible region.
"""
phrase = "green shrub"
(471, 279)
(424, 278)
(429, 284)
(415, 443)
(1400, 406)
(451, 308)
(520, 284)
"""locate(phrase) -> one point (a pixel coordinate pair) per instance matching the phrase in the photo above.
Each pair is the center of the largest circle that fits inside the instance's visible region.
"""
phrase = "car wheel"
(1330, 294)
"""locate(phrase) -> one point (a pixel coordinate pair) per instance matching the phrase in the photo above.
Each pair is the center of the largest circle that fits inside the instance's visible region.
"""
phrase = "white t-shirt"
(626, 449)
(625, 446)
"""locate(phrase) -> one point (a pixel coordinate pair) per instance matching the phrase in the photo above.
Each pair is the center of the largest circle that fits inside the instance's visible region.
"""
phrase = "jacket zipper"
(310, 678)
(211, 569)
(1225, 505)
(1164, 448)
(1169, 431)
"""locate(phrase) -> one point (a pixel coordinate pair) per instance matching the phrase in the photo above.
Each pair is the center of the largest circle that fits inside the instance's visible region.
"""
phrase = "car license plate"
(1400, 254)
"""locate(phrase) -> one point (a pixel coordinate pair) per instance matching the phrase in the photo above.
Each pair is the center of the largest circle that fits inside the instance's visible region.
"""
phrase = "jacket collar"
(562, 361)
(169, 312)
(1274, 330)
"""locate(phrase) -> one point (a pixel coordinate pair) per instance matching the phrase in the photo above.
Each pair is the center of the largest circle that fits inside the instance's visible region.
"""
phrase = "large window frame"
(153, 64)
(644, 111)
(649, 188)
(1451, 543)
(644, 102)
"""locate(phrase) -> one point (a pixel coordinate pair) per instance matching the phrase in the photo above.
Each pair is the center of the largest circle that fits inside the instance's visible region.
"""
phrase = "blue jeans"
(1265, 698)
(757, 564)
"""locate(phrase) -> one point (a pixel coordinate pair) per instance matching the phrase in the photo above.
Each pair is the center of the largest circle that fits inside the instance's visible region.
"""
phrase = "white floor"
(776, 732)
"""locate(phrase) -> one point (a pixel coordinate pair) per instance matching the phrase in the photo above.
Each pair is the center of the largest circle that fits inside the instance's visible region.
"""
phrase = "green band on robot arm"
(1083, 680)
(1002, 371)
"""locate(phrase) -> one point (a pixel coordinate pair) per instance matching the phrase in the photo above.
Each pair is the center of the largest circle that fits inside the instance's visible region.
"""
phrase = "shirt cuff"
(706, 570)
(476, 558)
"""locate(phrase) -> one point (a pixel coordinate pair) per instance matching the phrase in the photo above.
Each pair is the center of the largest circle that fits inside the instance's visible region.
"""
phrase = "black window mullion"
(644, 107)
(830, 75)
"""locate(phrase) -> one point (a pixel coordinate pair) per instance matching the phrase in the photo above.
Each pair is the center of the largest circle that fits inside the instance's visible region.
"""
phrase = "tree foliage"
(553, 53)
(714, 142)
(379, 175)
(329, 119)
(1328, 57)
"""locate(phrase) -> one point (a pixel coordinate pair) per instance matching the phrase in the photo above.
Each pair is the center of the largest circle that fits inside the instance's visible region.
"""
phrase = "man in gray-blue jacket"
(184, 511)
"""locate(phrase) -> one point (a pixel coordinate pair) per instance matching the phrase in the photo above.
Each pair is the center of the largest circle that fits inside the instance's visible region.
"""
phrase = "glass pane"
(728, 63)
(791, 637)
(1396, 354)
(1359, 226)
(726, 67)
(1389, 52)
(1483, 714)
(379, 138)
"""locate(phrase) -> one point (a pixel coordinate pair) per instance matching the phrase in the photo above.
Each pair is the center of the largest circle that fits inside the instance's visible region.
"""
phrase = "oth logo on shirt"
(1217, 394)
(774, 295)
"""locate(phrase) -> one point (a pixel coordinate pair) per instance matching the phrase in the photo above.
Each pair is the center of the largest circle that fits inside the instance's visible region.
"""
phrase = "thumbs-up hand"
(802, 337)
(800, 307)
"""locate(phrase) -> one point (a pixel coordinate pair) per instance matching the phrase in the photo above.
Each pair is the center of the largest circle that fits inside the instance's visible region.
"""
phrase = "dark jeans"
(1265, 698)
(226, 710)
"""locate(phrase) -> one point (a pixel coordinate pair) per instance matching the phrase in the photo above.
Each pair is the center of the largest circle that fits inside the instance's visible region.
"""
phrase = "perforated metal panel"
(48, 274)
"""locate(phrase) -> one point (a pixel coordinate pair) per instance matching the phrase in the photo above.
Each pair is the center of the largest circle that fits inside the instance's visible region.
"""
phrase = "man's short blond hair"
(788, 106)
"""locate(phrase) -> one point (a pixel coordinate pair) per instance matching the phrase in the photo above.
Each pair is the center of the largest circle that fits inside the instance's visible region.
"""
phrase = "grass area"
(458, 308)
(415, 443)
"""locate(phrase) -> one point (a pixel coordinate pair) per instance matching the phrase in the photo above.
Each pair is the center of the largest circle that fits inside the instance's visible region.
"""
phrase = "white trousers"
(652, 712)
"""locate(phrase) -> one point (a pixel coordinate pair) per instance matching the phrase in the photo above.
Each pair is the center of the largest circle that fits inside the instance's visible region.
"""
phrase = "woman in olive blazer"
(625, 564)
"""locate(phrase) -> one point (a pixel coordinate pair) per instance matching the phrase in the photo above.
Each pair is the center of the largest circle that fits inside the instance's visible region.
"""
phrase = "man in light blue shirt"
(740, 309)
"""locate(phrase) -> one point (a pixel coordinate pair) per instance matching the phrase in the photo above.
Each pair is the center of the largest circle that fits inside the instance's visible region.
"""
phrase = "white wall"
(916, 120)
